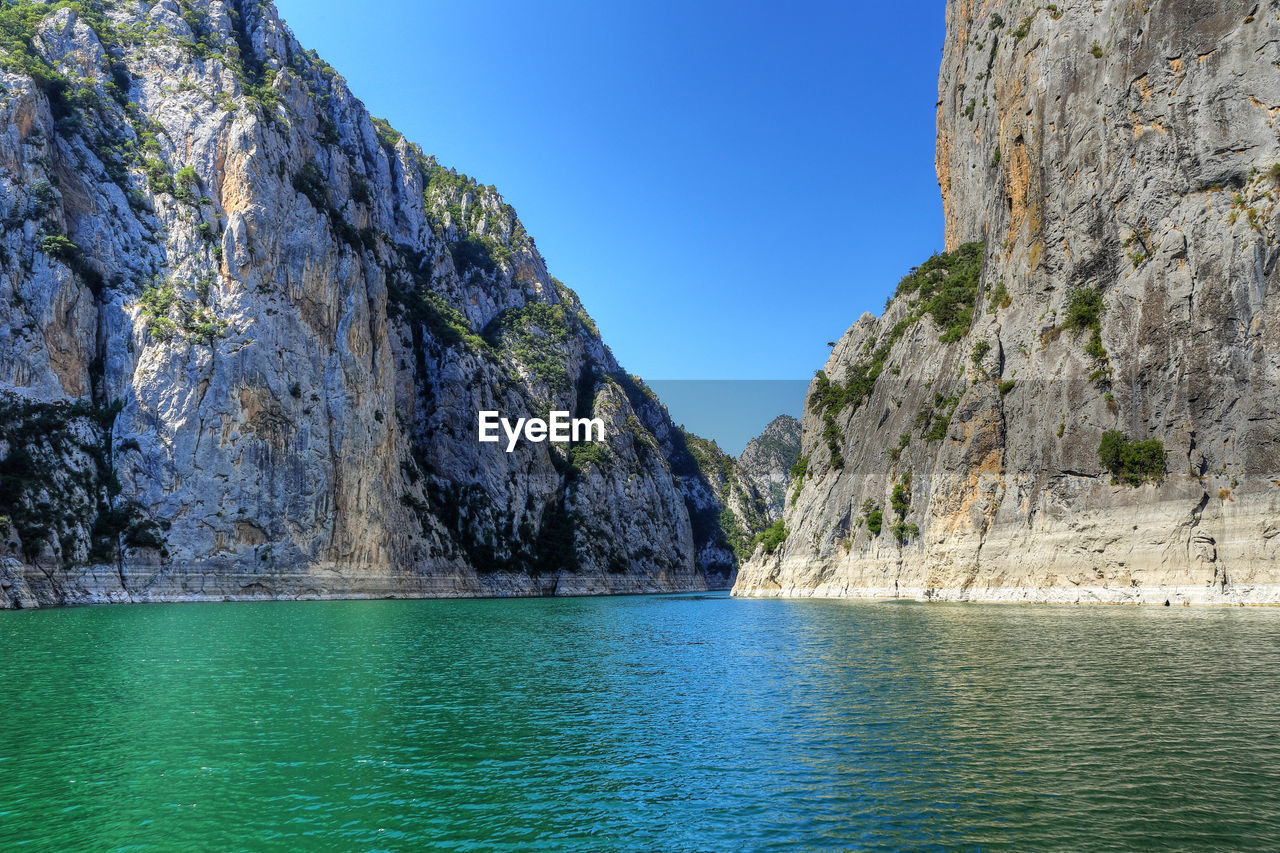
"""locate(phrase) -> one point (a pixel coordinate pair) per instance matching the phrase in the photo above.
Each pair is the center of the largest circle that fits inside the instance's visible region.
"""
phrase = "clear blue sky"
(728, 185)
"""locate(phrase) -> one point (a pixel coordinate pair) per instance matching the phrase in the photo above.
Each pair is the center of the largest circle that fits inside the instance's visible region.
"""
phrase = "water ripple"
(673, 723)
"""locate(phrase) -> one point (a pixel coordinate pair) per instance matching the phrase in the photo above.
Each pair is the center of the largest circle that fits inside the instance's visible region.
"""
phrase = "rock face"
(247, 329)
(745, 495)
(767, 461)
(1078, 403)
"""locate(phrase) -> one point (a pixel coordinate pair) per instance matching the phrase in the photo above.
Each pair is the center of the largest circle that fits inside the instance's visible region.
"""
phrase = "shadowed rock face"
(247, 329)
(1117, 159)
(732, 501)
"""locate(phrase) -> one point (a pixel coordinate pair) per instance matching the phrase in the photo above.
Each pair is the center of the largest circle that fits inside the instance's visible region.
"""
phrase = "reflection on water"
(680, 722)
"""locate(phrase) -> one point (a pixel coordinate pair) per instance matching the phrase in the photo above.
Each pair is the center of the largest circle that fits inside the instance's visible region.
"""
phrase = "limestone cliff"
(246, 330)
(746, 494)
(768, 459)
(1077, 402)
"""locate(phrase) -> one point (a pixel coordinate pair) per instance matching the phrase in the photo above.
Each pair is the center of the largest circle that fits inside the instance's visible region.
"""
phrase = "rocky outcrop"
(746, 494)
(1077, 403)
(247, 329)
(767, 461)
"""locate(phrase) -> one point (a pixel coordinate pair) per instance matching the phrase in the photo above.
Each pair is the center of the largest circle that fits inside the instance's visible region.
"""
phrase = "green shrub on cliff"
(1132, 462)
(1000, 298)
(980, 350)
(486, 226)
(475, 253)
(157, 299)
(1025, 27)
(934, 420)
(946, 288)
(57, 246)
(1085, 309)
(388, 136)
(1095, 349)
(43, 198)
(873, 516)
(185, 185)
(58, 486)
(18, 22)
(158, 178)
(538, 334)
(875, 521)
(772, 536)
(900, 502)
(310, 181)
(900, 499)
(798, 472)
(166, 314)
(585, 455)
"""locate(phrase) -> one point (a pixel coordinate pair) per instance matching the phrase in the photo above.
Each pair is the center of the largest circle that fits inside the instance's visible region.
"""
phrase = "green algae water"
(646, 723)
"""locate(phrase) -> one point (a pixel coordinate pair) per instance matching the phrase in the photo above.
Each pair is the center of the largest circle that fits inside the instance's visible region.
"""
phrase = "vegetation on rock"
(772, 536)
(945, 288)
(900, 502)
(999, 298)
(738, 530)
(798, 473)
(873, 517)
(934, 420)
(56, 474)
(1131, 462)
(167, 315)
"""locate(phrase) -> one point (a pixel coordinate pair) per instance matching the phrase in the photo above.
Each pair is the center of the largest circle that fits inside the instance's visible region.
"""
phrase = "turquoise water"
(647, 723)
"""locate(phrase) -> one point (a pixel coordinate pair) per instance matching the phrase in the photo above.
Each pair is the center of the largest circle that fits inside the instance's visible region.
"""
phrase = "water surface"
(671, 722)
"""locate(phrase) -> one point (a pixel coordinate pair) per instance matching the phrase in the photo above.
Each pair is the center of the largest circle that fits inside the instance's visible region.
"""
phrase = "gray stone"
(767, 461)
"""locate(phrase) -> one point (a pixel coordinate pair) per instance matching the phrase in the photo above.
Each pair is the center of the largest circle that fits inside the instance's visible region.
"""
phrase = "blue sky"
(727, 184)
